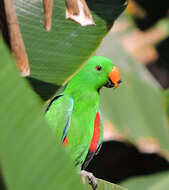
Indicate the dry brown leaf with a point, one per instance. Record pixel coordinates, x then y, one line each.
151 145
137 39
148 145
135 10
48 7
140 44
111 133
78 11
16 41
120 26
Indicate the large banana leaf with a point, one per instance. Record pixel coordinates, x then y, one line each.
135 109
158 181
56 55
29 155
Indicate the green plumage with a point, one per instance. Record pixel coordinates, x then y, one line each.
72 114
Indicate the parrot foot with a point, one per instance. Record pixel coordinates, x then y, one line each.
91 178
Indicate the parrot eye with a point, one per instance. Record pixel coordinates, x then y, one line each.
99 68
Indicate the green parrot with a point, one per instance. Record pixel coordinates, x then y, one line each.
75 116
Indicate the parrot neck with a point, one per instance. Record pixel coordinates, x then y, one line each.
76 90
83 83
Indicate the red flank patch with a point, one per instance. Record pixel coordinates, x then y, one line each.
65 142
96 133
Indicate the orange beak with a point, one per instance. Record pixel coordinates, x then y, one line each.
115 76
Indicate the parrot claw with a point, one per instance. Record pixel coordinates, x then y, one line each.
91 178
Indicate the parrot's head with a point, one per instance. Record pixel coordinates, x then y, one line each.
100 71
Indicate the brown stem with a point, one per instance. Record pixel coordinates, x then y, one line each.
47 6
16 41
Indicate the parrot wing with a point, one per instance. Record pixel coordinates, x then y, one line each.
58 113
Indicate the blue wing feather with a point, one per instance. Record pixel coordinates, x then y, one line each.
55 113
67 123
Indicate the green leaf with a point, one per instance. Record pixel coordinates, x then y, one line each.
56 55
29 155
148 182
136 107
